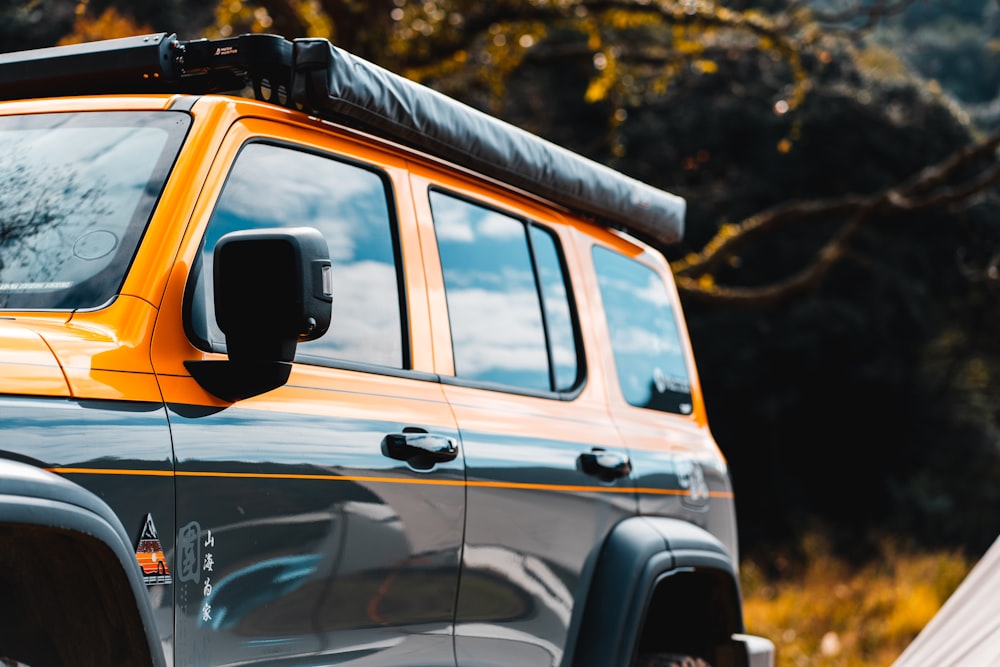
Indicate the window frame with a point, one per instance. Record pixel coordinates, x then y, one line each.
406 361
130 243
580 381
677 316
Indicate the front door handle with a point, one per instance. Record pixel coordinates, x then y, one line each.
604 465
419 448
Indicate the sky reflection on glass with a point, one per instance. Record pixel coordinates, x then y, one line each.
648 355
273 186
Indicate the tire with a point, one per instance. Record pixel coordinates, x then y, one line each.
670 660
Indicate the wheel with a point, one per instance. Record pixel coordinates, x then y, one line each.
670 660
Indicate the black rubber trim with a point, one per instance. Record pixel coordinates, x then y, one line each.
183 102
636 555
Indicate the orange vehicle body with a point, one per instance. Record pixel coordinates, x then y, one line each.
287 532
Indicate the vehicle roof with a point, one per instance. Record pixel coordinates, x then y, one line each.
320 78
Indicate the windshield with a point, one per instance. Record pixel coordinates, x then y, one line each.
76 193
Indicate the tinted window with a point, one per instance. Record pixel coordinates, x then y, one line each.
644 334
507 298
273 186
76 193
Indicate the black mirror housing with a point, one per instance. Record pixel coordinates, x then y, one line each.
273 289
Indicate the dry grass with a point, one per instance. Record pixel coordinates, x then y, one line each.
824 612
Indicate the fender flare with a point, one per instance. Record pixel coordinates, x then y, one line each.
638 553
33 498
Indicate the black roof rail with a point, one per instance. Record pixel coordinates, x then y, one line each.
158 63
315 76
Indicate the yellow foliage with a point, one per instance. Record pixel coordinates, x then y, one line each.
706 66
624 20
600 85
316 21
975 375
821 612
688 40
109 25
606 78
492 61
233 18
881 63
661 83
728 230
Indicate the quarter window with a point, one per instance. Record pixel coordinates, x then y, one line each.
508 302
649 358
76 193
275 186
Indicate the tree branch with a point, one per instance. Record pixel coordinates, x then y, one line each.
929 189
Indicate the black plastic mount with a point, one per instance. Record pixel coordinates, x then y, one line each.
157 63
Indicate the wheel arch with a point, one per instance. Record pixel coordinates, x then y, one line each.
75 594
644 567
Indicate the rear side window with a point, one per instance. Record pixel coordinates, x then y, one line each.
508 302
277 186
646 340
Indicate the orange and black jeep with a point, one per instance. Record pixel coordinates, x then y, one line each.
336 370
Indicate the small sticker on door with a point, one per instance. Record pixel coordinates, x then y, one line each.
150 555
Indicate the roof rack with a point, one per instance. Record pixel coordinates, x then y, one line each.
149 64
315 76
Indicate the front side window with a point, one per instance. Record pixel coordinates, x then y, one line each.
508 301
76 193
277 186
645 337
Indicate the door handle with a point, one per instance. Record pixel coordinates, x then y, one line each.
419 448
606 466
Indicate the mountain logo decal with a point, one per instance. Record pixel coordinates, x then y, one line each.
150 555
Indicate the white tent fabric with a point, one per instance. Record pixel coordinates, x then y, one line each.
966 630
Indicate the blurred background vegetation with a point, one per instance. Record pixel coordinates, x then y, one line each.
840 269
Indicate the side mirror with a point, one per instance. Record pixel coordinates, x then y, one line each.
273 289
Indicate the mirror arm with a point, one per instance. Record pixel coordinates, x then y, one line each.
236 380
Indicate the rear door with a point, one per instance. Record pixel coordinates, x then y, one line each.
654 394
306 533
547 475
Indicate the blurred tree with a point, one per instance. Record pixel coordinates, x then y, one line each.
360 26
110 24
816 165
28 25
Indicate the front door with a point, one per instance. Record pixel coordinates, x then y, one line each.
307 531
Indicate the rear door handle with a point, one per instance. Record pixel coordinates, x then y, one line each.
419 448
606 466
